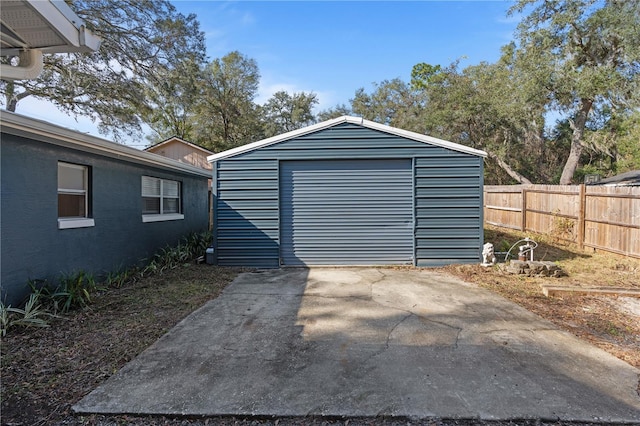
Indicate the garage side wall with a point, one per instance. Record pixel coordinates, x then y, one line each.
447 195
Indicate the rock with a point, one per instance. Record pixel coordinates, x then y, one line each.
535 268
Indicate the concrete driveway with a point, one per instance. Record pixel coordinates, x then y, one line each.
369 342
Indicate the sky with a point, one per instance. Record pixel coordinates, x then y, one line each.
332 48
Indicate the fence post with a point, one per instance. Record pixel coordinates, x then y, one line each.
581 216
523 220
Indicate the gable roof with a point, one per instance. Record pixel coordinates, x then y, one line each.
351 120
152 148
20 125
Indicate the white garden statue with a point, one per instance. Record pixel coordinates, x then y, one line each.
488 257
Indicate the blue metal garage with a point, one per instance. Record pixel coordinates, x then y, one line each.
348 192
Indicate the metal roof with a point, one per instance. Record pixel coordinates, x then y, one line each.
27 127
340 120
630 178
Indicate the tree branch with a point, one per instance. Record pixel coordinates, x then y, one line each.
511 172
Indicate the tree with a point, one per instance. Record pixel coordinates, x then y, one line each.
489 107
174 100
226 115
284 112
394 103
141 42
587 55
335 112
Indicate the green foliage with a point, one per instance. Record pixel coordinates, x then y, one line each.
393 102
174 97
335 112
142 42
75 290
191 247
627 153
32 315
587 58
72 292
226 115
423 75
580 59
284 112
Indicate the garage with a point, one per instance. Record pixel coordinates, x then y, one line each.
347 191
336 212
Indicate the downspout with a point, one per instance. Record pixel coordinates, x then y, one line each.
30 67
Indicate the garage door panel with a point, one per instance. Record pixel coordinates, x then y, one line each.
346 212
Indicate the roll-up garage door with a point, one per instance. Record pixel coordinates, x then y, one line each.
346 212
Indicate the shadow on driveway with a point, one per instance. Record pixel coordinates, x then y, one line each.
369 342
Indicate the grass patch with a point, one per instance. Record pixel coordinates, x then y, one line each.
46 370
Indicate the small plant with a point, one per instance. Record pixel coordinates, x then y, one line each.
31 316
73 291
562 227
120 277
190 248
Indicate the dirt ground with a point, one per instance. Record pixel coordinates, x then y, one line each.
45 371
609 322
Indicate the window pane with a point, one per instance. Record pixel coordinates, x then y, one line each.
71 205
170 205
71 177
150 186
150 205
170 188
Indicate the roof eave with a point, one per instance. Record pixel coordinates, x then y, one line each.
344 119
175 138
43 131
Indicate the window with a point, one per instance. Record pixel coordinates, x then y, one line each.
160 199
73 196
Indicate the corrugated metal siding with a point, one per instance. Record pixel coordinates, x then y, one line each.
346 212
447 195
448 210
247 230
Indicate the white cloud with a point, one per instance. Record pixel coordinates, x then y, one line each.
266 91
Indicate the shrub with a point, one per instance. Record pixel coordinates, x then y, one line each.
33 315
73 292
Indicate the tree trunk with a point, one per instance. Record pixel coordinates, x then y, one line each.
577 125
11 98
504 166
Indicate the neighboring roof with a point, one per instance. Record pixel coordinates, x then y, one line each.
20 125
152 148
351 120
631 178
33 27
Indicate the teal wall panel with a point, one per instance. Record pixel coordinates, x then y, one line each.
446 198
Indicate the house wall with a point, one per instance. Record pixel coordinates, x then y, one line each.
183 153
34 248
447 195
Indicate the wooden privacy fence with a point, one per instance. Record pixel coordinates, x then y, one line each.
602 217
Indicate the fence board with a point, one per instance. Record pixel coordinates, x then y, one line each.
601 217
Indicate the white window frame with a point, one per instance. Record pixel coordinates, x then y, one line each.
80 221
160 217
